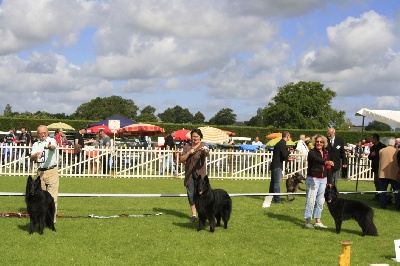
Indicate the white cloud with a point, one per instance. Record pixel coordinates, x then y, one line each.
28 24
228 53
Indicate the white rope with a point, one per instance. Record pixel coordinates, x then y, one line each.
185 195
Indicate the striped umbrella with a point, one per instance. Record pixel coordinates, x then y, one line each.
213 135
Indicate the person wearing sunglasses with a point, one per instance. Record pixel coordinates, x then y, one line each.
319 161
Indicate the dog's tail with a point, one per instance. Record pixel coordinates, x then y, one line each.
300 188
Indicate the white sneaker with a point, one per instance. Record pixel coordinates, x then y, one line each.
309 226
320 225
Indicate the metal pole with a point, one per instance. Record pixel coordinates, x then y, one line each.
362 133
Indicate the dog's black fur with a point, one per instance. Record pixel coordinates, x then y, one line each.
293 184
345 209
211 203
40 205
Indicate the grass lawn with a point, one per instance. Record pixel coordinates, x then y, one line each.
255 235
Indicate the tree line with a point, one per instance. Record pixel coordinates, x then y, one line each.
301 105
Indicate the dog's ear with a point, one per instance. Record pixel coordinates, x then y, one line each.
38 180
30 178
206 179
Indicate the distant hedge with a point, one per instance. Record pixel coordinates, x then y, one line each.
243 131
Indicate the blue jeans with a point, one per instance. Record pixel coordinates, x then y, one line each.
384 183
315 189
169 162
275 185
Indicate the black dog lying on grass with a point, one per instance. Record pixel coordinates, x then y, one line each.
211 203
344 209
40 205
293 183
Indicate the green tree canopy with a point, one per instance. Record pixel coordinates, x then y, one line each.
198 118
378 126
7 111
176 115
102 108
302 105
225 116
147 115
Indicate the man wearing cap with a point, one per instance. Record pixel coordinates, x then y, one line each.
79 144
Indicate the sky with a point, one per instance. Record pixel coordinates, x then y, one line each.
201 55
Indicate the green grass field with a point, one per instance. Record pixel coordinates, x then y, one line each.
256 235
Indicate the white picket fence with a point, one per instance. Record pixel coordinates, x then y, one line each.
125 162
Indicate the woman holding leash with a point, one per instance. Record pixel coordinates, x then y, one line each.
194 156
319 161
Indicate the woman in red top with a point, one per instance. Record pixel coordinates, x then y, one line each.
318 164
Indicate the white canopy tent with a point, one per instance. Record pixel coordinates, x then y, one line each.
389 117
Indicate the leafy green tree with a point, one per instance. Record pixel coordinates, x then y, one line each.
43 115
225 116
147 114
7 111
198 118
176 115
102 108
257 120
304 105
378 126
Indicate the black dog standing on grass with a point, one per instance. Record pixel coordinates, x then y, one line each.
344 209
211 203
40 205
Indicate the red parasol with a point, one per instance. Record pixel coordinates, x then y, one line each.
96 129
181 134
141 130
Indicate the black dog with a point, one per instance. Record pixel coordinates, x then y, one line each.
211 203
40 205
293 183
344 209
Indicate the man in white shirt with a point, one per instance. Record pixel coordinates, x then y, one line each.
302 150
257 141
44 153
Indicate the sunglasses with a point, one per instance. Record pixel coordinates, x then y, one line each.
319 141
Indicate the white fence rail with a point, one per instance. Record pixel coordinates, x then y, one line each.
150 163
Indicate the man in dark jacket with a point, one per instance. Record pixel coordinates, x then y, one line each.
374 157
337 152
280 154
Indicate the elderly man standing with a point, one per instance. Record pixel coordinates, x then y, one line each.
44 154
336 150
302 149
389 173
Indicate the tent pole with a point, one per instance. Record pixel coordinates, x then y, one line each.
362 133
362 128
